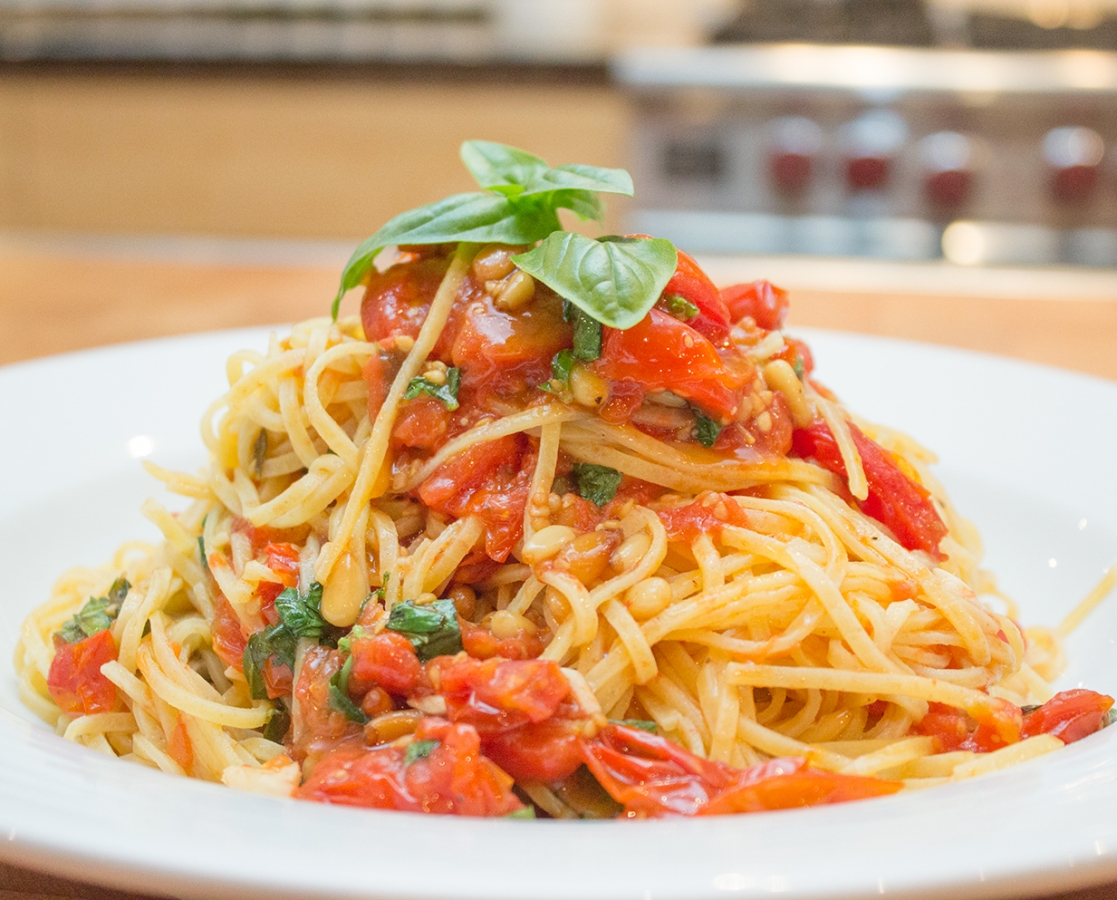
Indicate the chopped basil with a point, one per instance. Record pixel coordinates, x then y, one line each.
202 552
518 205
524 812
339 695
260 451
614 280
680 307
562 485
432 629
275 642
447 392
706 430
301 612
345 644
418 750
587 337
278 723
598 484
97 615
642 724
800 369
562 365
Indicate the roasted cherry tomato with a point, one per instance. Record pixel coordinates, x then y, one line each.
1069 715
387 659
894 499
765 303
694 286
496 695
228 636
396 300
75 680
448 776
423 423
545 751
704 516
651 776
953 729
661 353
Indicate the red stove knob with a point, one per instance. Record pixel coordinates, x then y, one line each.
870 143
1073 157
794 143
948 161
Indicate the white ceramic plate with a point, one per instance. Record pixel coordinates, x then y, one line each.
1029 454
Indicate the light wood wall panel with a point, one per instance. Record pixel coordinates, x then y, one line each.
281 155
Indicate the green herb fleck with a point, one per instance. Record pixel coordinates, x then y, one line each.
706 430
278 723
800 369
598 484
339 695
260 451
524 812
277 643
643 724
447 393
97 615
417 750
680 307
432 629
562 365
301 612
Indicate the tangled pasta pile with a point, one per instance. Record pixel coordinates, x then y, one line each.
494 548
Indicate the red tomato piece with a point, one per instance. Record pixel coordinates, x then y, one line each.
495 695
953 729
423 423
75 680
228 637
317 723
694 286
387 659
544 751
396 300
179 746
454 778
283 559
1069 715
763 301
491 481
480 643
651 776
894 499
662 353
704 516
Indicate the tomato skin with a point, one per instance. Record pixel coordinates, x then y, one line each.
491 481
544 751
894 499
1069 715
318 725
763 301
953 729
454 779
228 637
650 776
694 285
75 680
386 659
662 353
706 515
481 643
496 695
423 423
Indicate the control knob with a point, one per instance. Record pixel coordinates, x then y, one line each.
870 144
1073 156
948 160
794 144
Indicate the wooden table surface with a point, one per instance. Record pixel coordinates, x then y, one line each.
63 294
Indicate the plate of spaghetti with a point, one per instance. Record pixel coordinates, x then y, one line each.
551 527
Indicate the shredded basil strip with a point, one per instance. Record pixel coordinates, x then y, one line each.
643 724
706 430
800 369
278 723
432 629
275 642
680 307
202 552
260 451
598 484
301 612
345 645
339 695
562 364
518 205
96 615
587 336
417 750
447 393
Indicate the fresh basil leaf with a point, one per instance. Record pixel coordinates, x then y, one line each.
562 364
680 307
482 217
339 695
614 280
96 615
417 750
706 430
301 614
514 172
642 724
584 204
276 642
587 336
432 629
278 723
447 393
598 484
524 812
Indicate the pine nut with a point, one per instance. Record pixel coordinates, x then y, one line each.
629 553
515 293
587 387
392 725
493 262
345 591
648 598
505 624
545 543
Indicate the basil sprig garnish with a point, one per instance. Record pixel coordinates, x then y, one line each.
519 204
96 615
447 392
432 628
614 280
598 484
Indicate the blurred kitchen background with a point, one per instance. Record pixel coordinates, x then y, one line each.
979 131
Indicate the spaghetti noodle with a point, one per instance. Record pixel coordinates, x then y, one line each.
477 552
